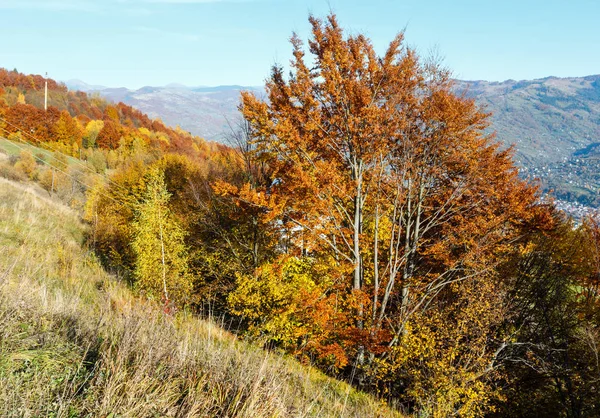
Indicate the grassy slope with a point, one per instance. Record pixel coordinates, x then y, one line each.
14 148
75 342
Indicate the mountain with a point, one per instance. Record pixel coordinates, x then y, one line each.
75 84
547 119
203 111
553 123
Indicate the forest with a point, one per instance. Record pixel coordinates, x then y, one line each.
362 221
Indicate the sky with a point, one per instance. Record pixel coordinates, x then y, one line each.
134 43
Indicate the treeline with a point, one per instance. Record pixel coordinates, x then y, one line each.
27 82
83 137
75 120
364 222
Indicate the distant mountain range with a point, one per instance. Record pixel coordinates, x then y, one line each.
203 111
554 123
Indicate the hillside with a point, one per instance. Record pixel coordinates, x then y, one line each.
203 111
74 341
554 123
75 120
367 247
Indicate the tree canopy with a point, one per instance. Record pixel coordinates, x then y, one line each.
388 176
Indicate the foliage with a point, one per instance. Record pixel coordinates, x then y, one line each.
550 359
110 211
363 221
92 129
287 307
75 341
27 164
22 103
382 167
161 266
67 130
109 135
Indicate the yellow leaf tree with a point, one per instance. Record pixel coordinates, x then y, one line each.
161 263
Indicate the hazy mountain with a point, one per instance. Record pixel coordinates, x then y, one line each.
548 119
554 123
83 86
203 111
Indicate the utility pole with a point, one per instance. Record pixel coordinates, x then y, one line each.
46 94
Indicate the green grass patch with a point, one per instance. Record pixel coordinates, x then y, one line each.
12 148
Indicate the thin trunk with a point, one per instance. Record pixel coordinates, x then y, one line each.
393 263
407 249
356 234
162 251
412 244
255 242
376 263
360 358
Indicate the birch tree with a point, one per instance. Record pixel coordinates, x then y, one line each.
161 264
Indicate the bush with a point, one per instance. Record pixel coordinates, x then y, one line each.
9 172
27 165
97 160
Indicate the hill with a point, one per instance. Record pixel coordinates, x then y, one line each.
397 251
75 120
74 341
554 123
203 111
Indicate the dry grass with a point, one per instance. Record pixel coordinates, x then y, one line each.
75 342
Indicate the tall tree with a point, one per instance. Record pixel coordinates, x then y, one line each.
161 265
109 135
67 131
379 163
92 129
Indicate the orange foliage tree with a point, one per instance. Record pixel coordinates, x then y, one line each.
381 166
67 130
109 135
36 124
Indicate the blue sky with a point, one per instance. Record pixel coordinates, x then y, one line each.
133 43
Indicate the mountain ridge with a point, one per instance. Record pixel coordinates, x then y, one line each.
553 122
205 111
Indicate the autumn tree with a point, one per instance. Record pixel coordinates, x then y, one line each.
36 124
378 163
67 131
112 206
161 266
109 135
